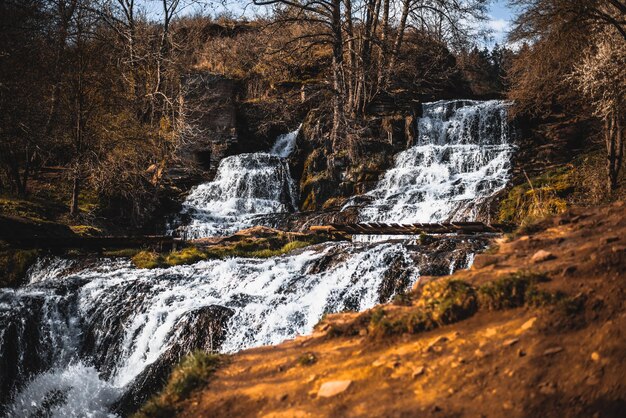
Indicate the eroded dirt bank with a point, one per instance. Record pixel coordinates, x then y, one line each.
538 328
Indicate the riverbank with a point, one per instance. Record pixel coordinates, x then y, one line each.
554 347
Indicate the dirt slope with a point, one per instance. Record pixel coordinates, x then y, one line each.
557 360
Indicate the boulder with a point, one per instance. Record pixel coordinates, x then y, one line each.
541 256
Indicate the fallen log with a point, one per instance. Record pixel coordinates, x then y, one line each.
377 228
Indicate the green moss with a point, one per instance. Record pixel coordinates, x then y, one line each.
23 209
253 248
402 299
441 302
123 252
195 371
14 263
86 230
446 301
148 260
543 196
512 291
187 255
307 359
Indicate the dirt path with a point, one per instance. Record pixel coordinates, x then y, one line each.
559 360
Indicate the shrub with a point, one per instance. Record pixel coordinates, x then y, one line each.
512 291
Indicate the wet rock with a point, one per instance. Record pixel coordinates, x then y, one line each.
333 388
202 329
541 256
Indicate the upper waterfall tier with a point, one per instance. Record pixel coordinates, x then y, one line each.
246 185
461 158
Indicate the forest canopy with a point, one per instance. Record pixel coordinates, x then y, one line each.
96 90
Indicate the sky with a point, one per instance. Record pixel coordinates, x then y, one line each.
500 21
500 15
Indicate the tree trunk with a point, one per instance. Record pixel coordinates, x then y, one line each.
351 59
615 149
75 193
399 37
337 72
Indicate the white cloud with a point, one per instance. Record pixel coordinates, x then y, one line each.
499 25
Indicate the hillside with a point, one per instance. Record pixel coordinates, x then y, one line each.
543 334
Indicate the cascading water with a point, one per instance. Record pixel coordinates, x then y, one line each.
245 186
82 338
460 160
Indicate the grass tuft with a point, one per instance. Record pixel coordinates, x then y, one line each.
194 372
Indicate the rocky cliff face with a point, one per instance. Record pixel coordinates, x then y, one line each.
329 177
221 122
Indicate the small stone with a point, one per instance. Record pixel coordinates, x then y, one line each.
490 332
528 324
552 350
595 356
434 345
541 256
363 332
521 353
282 398
418 371
507 405
510 342
548 388
333 388
480 353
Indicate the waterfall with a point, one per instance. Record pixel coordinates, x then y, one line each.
245 186
85 336
285 144
461 158
103 327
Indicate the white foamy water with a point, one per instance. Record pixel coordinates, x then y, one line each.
460 160
285 144
136 315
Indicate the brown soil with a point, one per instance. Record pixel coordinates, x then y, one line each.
553 361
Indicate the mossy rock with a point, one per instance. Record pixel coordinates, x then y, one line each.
250 247
14 263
